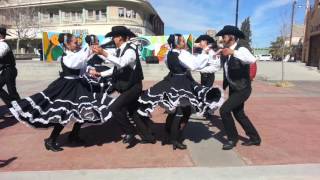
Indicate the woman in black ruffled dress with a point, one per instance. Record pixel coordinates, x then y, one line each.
67 99
178 93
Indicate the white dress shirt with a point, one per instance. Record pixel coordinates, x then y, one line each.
128 59
193 62
4 48
245 56
77 60
214 64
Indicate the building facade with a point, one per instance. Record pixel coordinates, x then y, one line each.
311 49
82 16
298 31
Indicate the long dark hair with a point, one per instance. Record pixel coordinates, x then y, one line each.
65 38
90 39
173 40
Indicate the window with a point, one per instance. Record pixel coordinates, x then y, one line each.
121 12
103 13
97 14
90 14
128 14
54 17
35 17
45 17
73 16
134 14
66 16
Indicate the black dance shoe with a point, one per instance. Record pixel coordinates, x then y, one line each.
178 145
165 141
229 145
8 115
52 146
252 142
75 139
128 139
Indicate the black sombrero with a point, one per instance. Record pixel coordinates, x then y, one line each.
231 30
207 38
119 31
131 34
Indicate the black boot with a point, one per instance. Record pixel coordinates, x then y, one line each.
178 145
252 142
128 138
229 145
166 140
52 145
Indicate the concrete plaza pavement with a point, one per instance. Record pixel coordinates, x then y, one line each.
288 120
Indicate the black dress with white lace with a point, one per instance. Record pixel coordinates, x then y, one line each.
178 88
66 99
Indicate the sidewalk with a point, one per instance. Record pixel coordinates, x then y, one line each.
283 172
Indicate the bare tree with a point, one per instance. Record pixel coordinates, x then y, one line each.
23 22
284 31
285 36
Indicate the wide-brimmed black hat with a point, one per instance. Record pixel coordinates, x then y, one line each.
231 30
131 34
119 31
207 38
3 31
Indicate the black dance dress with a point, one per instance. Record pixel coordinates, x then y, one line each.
179 89
66 99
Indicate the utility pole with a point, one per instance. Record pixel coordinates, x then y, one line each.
292 18
237 13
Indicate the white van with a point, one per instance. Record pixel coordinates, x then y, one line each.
265 57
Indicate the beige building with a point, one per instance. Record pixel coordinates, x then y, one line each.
297 35
311 49
82 16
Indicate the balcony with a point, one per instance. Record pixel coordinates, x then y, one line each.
126 21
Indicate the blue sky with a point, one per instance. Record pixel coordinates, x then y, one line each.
197 16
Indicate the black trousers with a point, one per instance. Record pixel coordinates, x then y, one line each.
8 77
176 122
127 101
143 126
207 79
235 105
58 128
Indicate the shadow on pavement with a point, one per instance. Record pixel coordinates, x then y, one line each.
4 163
196 131
6 121
95 135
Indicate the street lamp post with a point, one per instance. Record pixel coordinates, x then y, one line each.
292 18
237 12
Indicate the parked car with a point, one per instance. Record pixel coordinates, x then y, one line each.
265 57
277 58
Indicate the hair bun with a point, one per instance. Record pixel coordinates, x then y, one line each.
90 38
61 37
171 40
